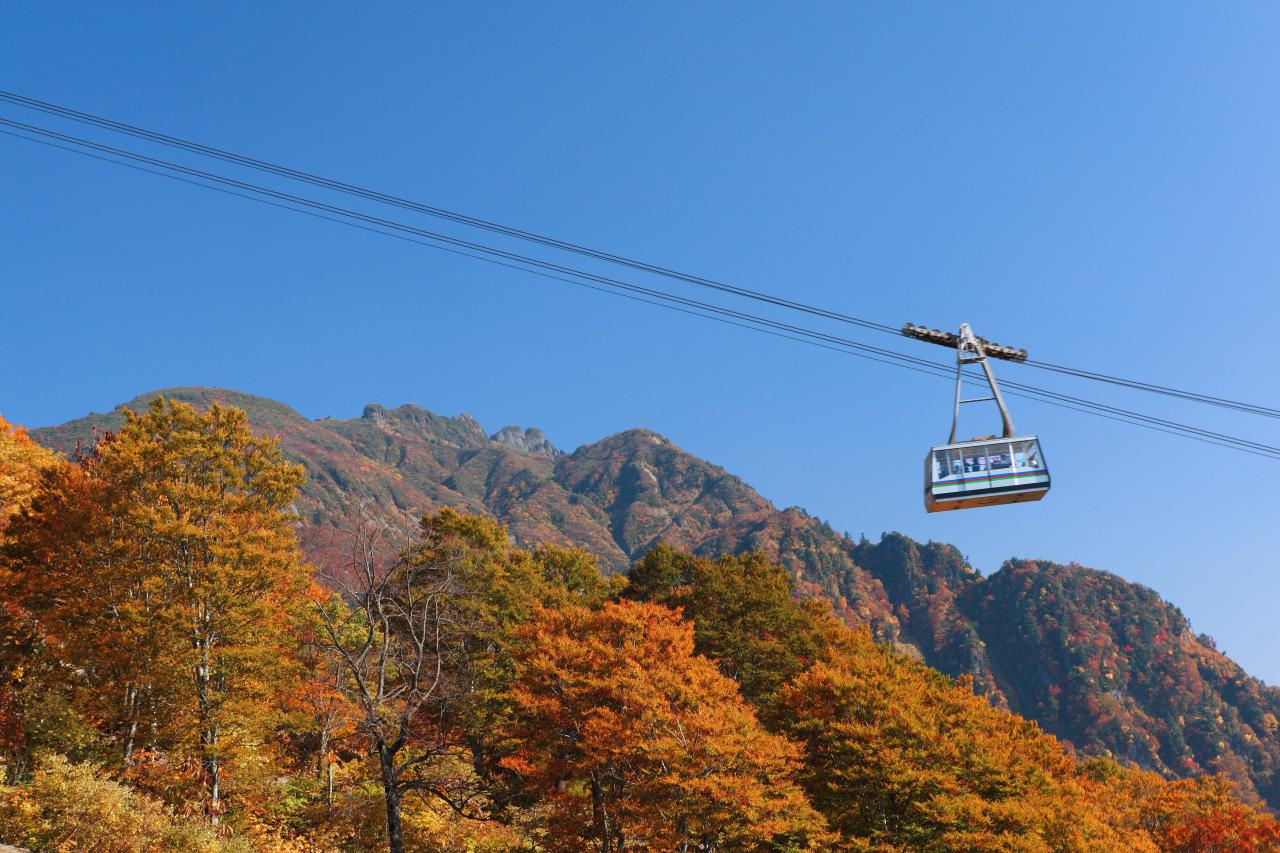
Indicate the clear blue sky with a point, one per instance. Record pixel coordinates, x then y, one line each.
1097 183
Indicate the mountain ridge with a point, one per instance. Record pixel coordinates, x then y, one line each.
1103 663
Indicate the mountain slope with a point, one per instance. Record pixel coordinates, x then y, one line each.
1103 663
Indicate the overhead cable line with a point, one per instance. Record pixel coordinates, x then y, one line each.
1158 389
567 246
558 272
431 210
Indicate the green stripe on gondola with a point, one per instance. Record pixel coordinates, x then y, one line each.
964 484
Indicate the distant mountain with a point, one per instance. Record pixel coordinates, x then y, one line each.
615 498
1102 663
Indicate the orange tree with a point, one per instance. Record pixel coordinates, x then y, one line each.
24 465
636 742
163 572
1201 815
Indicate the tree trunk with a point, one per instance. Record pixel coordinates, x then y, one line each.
323 751
600 815
324 767
131 722
395 842
153 723
205 687
212 769
131 731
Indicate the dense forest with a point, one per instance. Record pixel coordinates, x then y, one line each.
1103 664
175 674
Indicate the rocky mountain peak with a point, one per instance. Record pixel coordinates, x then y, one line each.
376 413
532 441
410 419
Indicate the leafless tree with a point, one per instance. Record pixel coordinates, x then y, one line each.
393 636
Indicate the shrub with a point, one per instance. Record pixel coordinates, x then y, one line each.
71 807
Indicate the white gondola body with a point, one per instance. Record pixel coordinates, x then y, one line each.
984 472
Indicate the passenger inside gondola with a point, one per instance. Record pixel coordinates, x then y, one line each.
947 464
1026 456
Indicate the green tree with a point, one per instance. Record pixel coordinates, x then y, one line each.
746 615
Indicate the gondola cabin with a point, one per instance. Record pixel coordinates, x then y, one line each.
984 472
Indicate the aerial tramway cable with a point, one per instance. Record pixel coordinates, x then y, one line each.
563 245
1157 389
614 286
430 210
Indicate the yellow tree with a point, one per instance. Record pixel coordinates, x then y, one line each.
24 465
636 742
898 757
169 563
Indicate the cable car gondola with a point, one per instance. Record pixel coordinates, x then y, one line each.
987 470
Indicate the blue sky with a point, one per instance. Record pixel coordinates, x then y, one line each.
1097 183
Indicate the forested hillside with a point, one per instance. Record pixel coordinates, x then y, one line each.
1104 664
174 675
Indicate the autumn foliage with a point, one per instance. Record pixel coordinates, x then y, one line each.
177 677
635 742
1104 664
22 464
